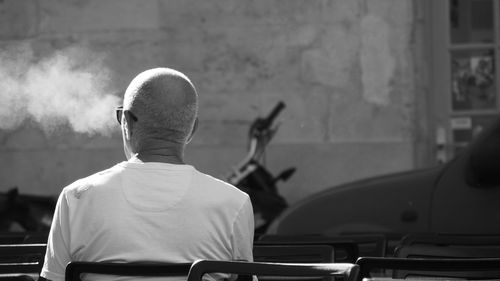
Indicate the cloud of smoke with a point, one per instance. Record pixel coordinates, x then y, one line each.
71 86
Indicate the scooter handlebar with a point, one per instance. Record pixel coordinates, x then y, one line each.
266 122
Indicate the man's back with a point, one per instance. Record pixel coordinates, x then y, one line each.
150 211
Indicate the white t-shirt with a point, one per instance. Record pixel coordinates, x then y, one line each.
150 211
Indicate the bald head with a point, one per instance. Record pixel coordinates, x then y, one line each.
165 103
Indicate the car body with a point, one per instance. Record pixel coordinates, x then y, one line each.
460 196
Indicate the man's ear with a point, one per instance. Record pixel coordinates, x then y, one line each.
127 125
195 127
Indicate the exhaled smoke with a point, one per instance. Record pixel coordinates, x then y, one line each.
71 86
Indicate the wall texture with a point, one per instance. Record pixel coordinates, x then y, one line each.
344 68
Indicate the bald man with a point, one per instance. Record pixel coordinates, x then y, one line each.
153 207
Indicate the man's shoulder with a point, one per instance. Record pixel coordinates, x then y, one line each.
84 185
218 186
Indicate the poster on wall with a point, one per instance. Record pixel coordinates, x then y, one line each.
472 82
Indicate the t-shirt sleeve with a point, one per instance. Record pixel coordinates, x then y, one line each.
57 255
243 231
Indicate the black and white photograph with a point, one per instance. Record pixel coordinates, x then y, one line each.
247 140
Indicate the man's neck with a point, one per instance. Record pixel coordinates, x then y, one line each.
171 159
171 155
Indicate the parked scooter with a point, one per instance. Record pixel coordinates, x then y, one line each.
252 177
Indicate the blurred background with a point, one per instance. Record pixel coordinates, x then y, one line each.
371 86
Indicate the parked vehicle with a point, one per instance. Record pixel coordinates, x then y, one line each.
251 176
460 196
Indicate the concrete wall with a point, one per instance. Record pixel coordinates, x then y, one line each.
344 68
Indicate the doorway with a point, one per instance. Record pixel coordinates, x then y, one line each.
465 44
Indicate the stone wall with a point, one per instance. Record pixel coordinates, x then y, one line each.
344 68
